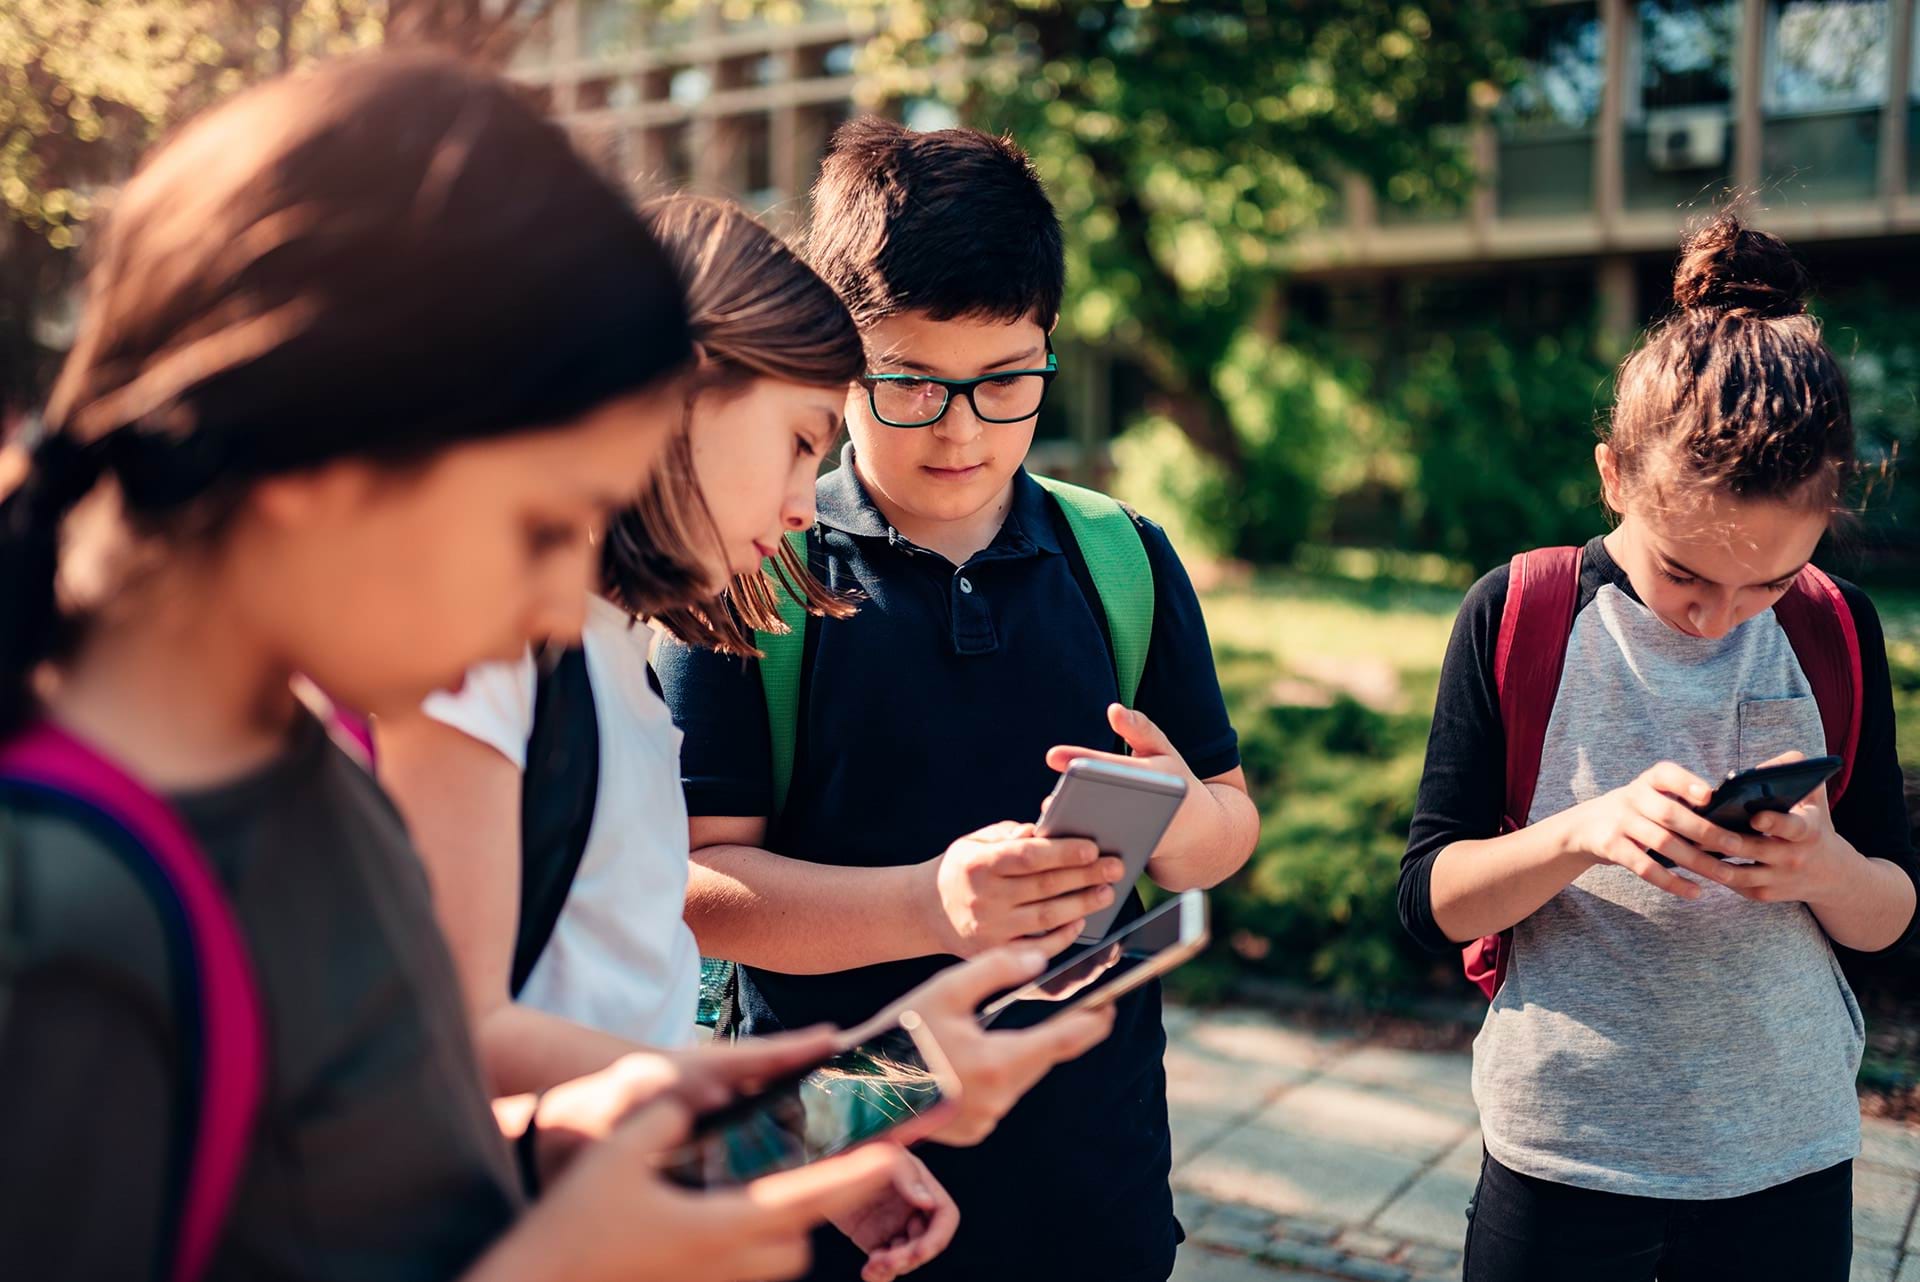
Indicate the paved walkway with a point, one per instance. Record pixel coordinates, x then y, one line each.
1300 1154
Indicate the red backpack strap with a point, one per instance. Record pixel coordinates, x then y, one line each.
1819 625
1543 587
231 1035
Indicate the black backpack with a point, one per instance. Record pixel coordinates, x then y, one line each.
558 790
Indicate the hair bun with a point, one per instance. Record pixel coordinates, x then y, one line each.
1728 266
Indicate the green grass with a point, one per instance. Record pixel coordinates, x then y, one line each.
1330 681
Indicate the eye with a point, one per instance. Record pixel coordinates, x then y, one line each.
545 537
1671 577
1005 381
804 446
910 386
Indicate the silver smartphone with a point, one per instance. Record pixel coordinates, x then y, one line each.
1124 810
1143 949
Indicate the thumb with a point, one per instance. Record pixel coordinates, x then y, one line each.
657 1127
960 989
1137 728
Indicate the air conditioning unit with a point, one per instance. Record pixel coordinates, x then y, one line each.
1680 140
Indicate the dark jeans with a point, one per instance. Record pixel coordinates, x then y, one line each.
1522 1229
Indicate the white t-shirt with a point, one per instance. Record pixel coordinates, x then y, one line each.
622 958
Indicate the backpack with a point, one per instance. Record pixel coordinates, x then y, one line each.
558 791
1542 590
222 1037
1122 579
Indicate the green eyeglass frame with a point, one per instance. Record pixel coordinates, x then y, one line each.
963 387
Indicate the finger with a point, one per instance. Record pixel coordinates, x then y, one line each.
754 1059
1058 1040
1029 855
1784 759
1039 886
1651 836
1678 781
1056 941
657 1127
801 1198
910 1178
1630 854
1791 826
1059 758
1051 914
960 989
1005 830
1696 828
937 1234
1137 728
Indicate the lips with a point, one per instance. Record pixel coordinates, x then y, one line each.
954 473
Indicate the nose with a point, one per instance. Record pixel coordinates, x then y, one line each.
1712 617
959 424
559 606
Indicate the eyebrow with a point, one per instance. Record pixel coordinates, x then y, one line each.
1684 572
1016 359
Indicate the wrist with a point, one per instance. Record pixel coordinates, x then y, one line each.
1851 876
924 907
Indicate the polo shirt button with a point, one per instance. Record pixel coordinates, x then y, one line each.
965 584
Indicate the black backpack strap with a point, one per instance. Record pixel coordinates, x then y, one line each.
558 790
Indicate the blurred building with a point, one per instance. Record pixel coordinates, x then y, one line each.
1632 117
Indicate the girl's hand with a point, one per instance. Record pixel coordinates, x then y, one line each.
1654 814
907 1225
1799 858
574 1114
613 1216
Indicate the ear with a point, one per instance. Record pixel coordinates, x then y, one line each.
301 498
1610 489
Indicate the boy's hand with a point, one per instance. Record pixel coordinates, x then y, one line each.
1152 750
1003 883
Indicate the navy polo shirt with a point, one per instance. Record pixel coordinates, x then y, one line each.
925 716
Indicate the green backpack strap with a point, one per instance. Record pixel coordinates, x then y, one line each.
780 656
1122 577
781 653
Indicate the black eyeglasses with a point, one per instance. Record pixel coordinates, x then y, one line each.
920 400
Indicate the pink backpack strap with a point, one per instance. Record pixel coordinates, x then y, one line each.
231 1033
1819 625
1543 587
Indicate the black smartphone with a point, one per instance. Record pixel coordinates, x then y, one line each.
1778 788
888 1080
1745 793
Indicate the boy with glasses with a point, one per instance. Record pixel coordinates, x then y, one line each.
981 646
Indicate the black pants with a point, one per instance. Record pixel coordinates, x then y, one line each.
1522 1229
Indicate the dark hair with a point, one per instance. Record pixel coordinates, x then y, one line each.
380 259
1735 392
756 311
952 223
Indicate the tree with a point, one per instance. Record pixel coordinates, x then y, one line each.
1185 141
87 85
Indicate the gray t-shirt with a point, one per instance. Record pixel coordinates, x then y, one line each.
1644 1044
376 1155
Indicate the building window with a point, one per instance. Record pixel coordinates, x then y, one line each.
1565 69
1546 121
1826 55
1678 144
1826 78
690 85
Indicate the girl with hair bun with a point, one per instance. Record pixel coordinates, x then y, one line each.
1666 1075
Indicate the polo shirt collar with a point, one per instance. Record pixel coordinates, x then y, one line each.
843 504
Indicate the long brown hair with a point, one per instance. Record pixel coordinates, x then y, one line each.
756 311
382 259
1736 392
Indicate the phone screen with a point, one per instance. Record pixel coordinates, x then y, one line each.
1101 965
857 1095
